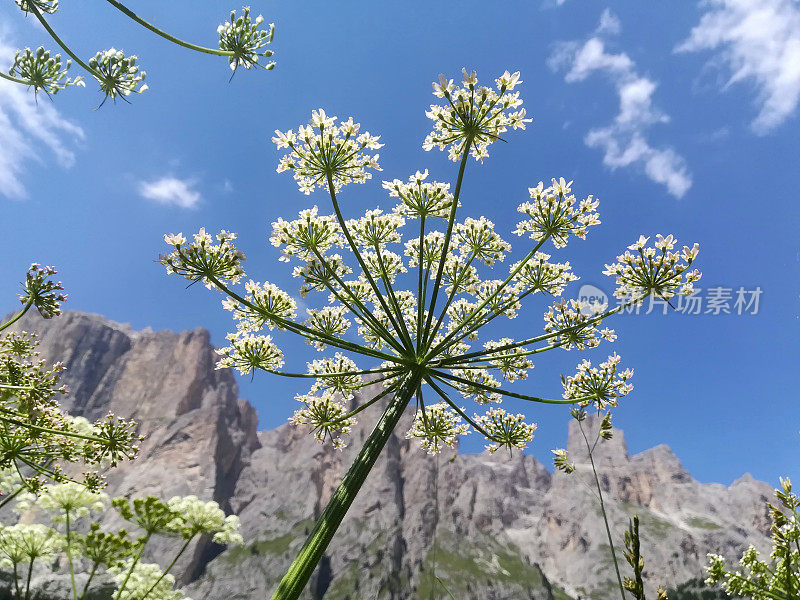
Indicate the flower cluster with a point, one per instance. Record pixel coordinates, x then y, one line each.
338 374
45 6
308 236
243 41
437 426
118 75
247 43
69 501
574 324
196 517
476 384
561 461
420 198
326 414
513 363
418 301
42 292
539 275
42 71
249 352
202 260
655 270
600 385
36 433
477 239
759 579
137 579
474 116
265 304
553 214
89 548
324 153
26 543
376 229
505 430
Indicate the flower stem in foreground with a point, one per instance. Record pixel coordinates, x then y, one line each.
296 578
590 449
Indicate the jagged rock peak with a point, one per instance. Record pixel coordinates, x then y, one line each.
493 527
613 451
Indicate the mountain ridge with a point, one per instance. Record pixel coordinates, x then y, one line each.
490 526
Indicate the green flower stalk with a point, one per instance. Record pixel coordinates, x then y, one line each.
243 41
409 315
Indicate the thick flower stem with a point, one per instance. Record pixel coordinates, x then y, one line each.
296 578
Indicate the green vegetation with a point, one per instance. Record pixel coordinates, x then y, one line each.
700 523
696 589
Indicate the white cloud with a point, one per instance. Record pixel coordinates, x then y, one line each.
624 141
609 23
759 41
31 132
171 191
592 57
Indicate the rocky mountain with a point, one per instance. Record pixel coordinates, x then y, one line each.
491 527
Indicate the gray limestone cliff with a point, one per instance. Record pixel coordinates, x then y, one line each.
492 527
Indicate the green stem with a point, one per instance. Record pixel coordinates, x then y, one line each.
69 558
367 404
324 375
15 80
16 582
487 318
49 430
364 269
306 332
450 297
456 408
169 568
420 292
363 310
296 578
393 299
58 41
28 304
494 294
603 510
89 580
8 499
450 222
122 8
133 566
30 575
546 336
443 377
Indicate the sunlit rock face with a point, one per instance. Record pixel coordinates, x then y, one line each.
491 527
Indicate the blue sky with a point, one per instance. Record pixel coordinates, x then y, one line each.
680 118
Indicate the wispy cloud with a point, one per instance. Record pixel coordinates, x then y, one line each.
32 132
609 23
171 191
759 41
624 141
